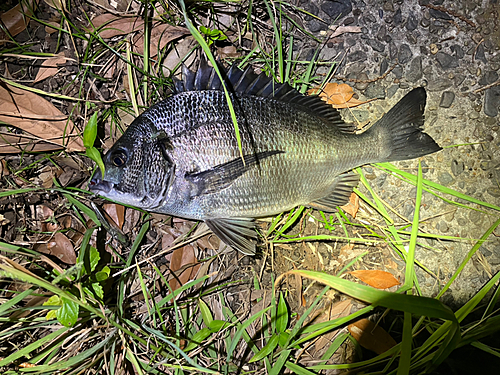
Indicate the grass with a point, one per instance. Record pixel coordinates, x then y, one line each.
93 316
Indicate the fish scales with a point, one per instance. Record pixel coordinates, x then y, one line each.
314 152
181 156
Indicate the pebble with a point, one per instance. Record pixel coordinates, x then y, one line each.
411 23
398 17
375 90
458 51
489 77
357 56
433 48
494 191
492 101
439 14
438 84
446 61
392 90
480 54
415 71
447 99
445 178
376 45
337 9
404 54
457 167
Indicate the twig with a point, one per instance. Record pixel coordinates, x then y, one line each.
450 12
487 87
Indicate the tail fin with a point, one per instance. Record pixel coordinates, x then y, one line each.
402 128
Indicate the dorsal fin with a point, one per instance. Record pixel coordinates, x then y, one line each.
247 83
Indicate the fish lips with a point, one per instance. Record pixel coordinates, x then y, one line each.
97 185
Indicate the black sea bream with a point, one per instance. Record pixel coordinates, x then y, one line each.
181 157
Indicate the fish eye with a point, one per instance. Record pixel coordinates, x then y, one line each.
119 158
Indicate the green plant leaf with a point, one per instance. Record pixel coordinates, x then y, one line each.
94 154
267 349
198 338
67 315
94 259
90 132
205 312
101 276
282 315
217 325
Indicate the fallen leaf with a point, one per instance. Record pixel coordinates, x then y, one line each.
30 112
345 29
161 35
61 247
44 213
352 206
56 4
16 19
116 212
371 336
110 25
338 95
376 278
228 51
49 67
182 258
337 310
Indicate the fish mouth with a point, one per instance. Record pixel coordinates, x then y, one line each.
100 186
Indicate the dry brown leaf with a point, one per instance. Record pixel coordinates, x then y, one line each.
49 67
182 258
371 336
61 247
376 278
44 213
337 310
345 29
352 206
35 115
161 35
56 4
113 25
16 18
116 212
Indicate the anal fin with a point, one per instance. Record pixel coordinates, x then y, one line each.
235 232
341 191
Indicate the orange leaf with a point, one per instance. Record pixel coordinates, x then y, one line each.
49 67
376 278
371 336
35 115
338 95
352 206
113 25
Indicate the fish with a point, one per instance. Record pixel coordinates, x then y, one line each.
181 156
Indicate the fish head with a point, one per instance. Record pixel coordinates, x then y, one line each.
138 169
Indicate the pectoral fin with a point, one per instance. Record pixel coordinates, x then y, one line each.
235 232
223 175
341 191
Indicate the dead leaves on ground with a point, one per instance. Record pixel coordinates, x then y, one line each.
338 95
16 19
371 336
109 26
376 278
49 129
